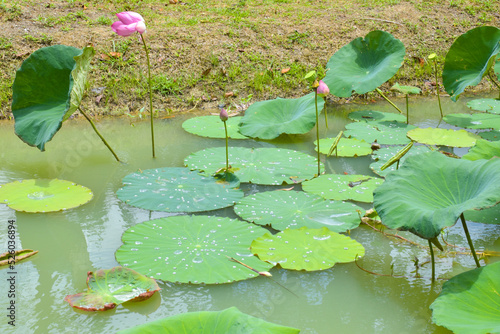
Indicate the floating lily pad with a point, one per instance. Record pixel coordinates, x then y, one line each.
307 249
343 187
490 135
488 105
406 89
385 153
111 287
284 209
444 137
483 150
469 59
271 166
44 195
474 121
364 64
347 147
373 115
430 191
176 189
227 321
489 215
470 302
47 90
213 127
9 259
269 119
192 249
385 133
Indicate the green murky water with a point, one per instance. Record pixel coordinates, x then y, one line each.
343 299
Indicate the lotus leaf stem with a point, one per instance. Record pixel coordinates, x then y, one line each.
469 240
407 111
317 128
98 133
437 87
432 261
496 83
326 116
227 148
150 96
387 99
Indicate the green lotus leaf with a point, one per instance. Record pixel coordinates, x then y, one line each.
385 133
488 105
192 249
474 121
307 249
271 166
292 209
364 64
490 135
430 191
227 321
444 137
47 89
108 288
347 147
176 189
373 115
343 187
213 127
44 195
483 150
469 59
489 215
269 119
470 302
406 89
385 153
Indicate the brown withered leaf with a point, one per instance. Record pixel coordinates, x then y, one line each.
228 94
285 70
7 258
206 72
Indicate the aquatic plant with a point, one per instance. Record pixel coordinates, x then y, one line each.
128 24
407 90
433 57
210 126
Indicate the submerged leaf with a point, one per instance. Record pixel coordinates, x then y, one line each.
108 288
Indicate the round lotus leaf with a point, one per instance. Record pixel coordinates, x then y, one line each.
347 147
385 153
486 216
292 209
227 321
213 127
474 121
483 150
176 189
385 133
364 64
192 249
490 135
110 287
307 249
273 166
430 191
269 119
470 302
44 195
47 89
444 137
373 115
406 89
343 187
488 105
469 59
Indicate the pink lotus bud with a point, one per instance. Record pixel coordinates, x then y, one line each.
129 23
322 89
223 115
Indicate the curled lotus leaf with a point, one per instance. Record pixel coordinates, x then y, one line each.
307 249
7 258
430 191
470 302
44 195
227 321
293 209
108 288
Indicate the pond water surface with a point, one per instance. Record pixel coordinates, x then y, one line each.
343 299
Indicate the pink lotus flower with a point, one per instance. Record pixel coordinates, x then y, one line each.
223 115
129 23
322 89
